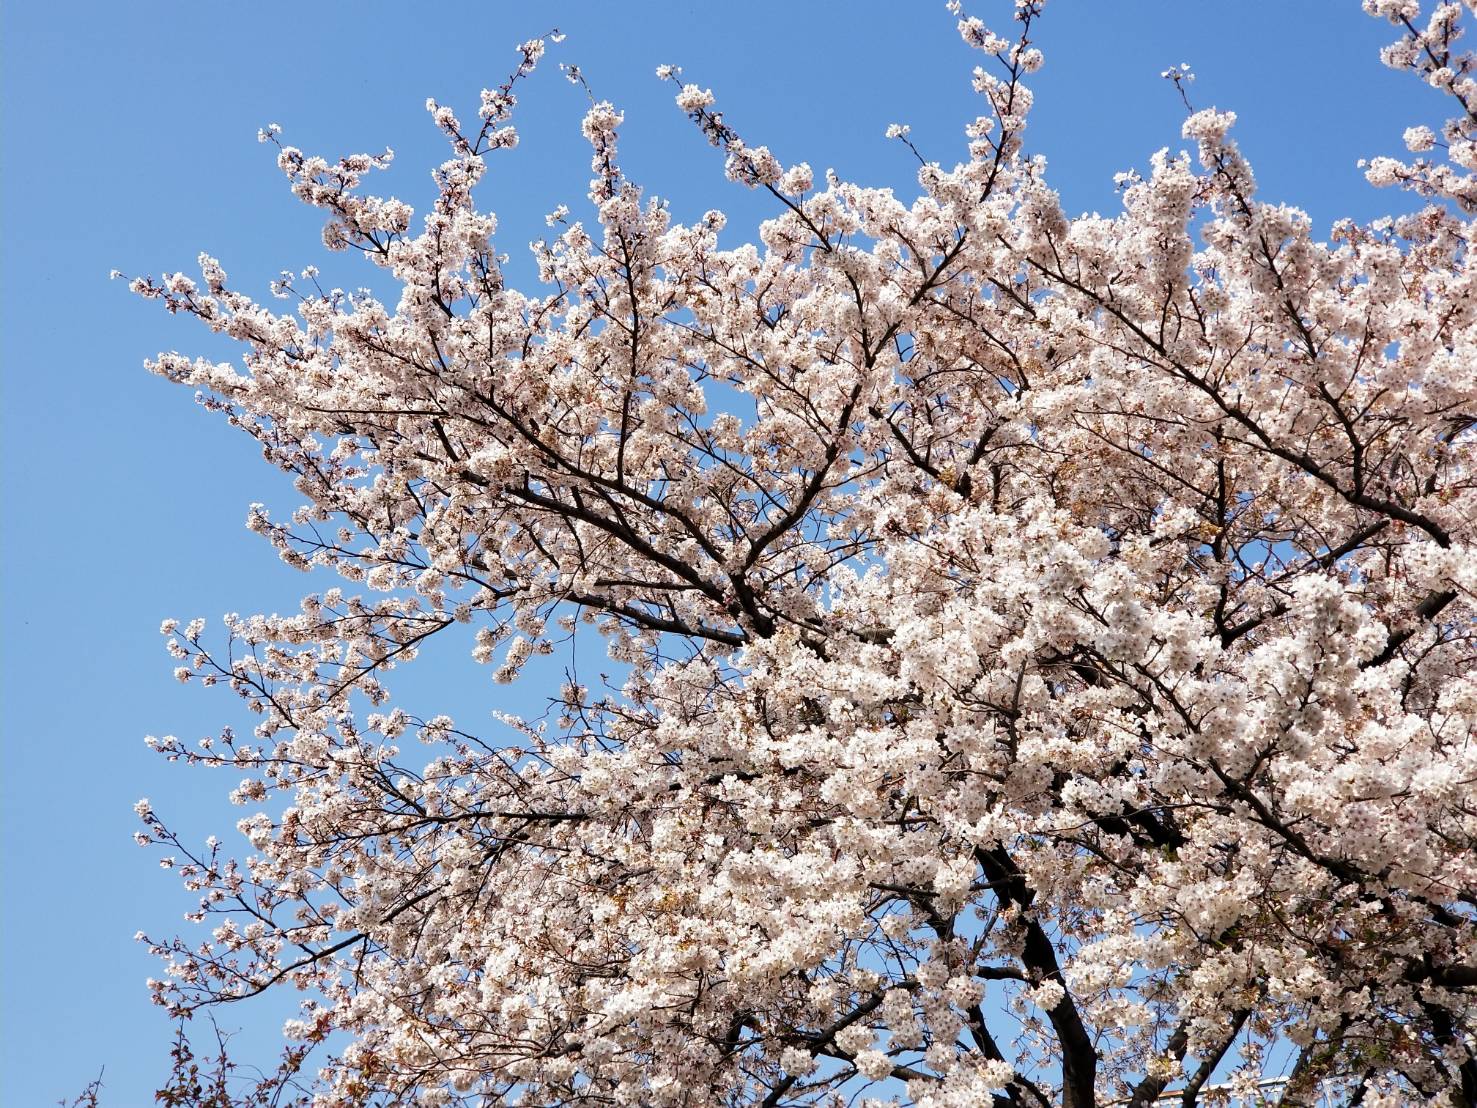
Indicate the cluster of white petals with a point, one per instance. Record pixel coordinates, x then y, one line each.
1048 648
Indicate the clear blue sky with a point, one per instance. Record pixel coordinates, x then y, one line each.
129 141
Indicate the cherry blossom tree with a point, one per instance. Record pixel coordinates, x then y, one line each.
1048 672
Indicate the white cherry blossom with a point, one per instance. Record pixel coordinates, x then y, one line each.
1048 643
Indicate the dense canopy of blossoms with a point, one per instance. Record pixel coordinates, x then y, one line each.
1048 666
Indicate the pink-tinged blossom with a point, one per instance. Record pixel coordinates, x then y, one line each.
694 99
1047 670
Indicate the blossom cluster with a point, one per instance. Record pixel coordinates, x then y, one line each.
1047 642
